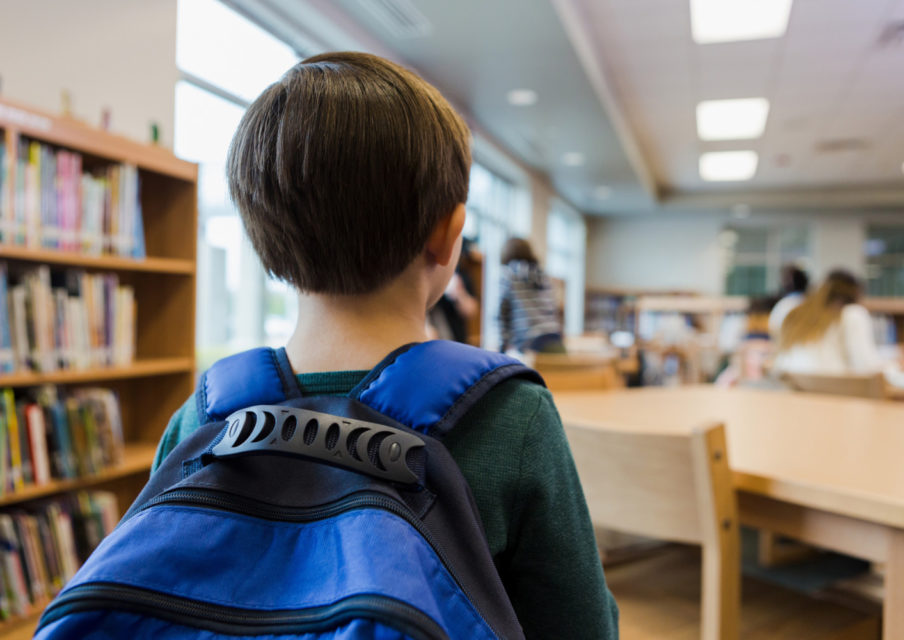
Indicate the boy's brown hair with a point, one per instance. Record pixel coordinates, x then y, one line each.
342 168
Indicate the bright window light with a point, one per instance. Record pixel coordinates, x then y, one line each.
720 166
732 20
732 119
218 45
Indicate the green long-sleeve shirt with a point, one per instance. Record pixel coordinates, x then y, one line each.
512 450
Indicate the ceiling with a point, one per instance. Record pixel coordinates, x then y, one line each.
836 95
618 81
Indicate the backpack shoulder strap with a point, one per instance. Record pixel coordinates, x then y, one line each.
257 376
429 386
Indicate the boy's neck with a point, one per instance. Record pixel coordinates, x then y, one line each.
343 333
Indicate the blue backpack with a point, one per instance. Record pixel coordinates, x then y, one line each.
317 517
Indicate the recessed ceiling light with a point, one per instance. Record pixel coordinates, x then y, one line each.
738 119
602 192
573 159
522 97
740 211
732 20
718 166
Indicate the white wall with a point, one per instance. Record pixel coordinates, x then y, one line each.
119 54
678 250
669 251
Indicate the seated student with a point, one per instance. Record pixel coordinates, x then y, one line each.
795 282
829 333
528 315
351 174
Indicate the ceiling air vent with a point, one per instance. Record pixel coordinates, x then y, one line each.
840 145
400 17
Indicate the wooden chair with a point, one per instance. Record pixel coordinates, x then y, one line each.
861 386
577 371
674 487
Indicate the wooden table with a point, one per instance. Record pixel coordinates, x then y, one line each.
826 470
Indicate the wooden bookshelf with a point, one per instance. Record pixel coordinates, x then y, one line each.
23 627
138 369
100 263
161 377
886 306
137 458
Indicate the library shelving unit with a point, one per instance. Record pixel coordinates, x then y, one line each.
161 376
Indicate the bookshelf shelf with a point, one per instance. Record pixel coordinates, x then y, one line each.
106 263
136 459
76 135
138 369
23 627
889 306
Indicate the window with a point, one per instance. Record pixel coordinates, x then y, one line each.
566 241
755 256
497 209
221 48
226 61
885 260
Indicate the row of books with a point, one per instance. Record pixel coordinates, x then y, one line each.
49 199
42 547
47 435
64 319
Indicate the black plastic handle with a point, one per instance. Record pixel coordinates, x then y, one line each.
367 447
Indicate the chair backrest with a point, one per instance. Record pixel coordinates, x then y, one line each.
668 486
577 371
674 487
861 386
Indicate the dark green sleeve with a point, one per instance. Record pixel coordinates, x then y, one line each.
554 575
183 423
512 450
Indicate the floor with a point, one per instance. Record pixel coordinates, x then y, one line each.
659 598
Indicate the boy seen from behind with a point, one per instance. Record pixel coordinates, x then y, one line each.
351 175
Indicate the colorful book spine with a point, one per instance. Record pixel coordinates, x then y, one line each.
7 355
53 320
16 481
51 201
42 545
45 436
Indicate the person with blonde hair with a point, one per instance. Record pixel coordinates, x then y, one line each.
829 333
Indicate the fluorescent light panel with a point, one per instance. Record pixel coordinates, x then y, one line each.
723 166
573 159
740 119
732 20
522 97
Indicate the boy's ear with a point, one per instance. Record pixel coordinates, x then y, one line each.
442 240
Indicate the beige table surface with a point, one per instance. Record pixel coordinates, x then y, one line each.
826 469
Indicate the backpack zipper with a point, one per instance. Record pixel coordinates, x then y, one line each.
246 506
236 621
237 504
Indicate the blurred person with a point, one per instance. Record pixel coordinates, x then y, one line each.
528 314
795 283
458 304
829 333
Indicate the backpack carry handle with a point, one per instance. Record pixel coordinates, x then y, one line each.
373 449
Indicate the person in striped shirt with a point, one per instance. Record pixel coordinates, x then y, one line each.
528 314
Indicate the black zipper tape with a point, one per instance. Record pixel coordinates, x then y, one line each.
238 621
83 597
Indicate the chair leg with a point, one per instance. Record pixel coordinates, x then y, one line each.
721 592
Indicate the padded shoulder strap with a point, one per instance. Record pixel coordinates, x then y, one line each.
258 376
430 385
